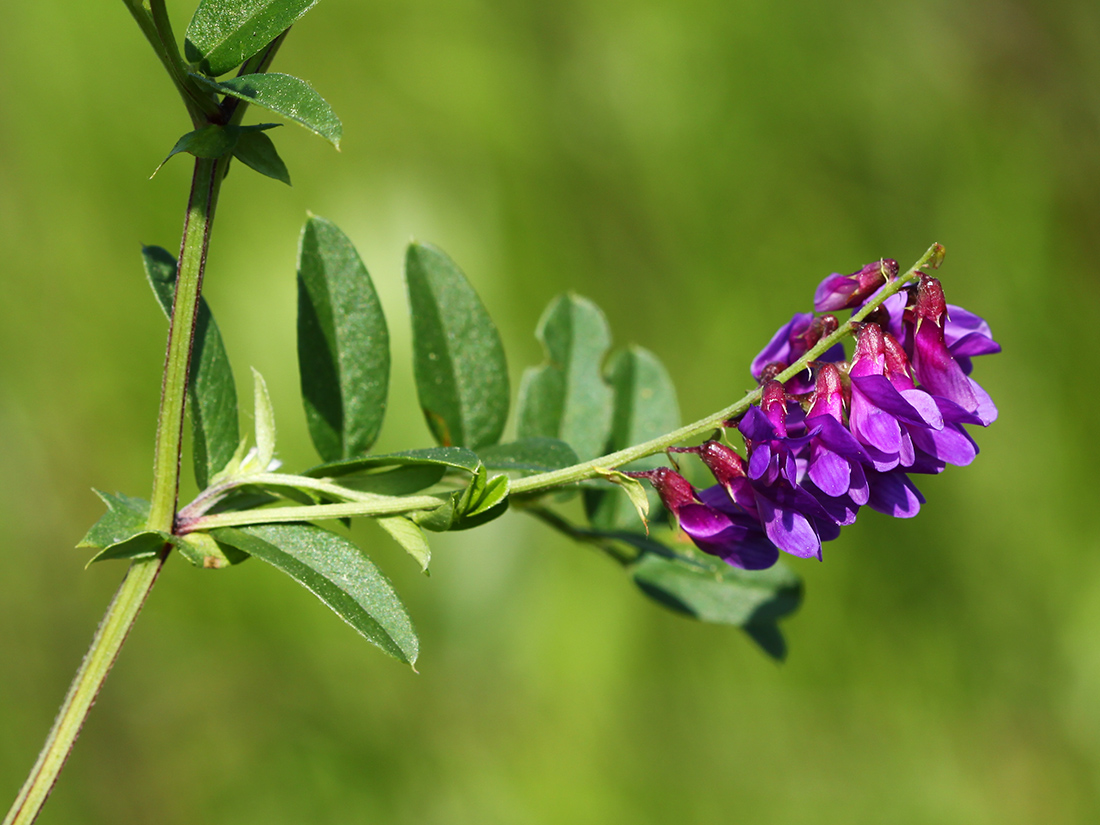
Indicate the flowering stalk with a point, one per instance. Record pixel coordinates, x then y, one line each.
590 469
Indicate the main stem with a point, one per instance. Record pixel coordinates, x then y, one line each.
124 608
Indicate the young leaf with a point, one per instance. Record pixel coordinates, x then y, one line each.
458 358
567 397
265 423
288 96
457 458
408 535
537 455
343 344
338 573
211 141
223 34
211 391
645 407
255 150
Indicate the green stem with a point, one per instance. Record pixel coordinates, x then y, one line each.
589 469
93 671
157 28
376 506
205 185
123 610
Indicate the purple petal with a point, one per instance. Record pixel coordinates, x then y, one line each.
895 495
951 445
779 347
831 473
789 530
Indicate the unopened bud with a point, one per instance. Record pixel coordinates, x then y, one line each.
846 291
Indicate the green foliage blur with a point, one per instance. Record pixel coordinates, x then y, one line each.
695 168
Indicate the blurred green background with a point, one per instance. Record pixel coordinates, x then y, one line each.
695 167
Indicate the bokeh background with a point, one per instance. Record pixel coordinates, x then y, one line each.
693 166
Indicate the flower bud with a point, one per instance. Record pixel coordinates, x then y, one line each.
675 490
828 394
847 291
931 305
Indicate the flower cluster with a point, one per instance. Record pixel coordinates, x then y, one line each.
843 433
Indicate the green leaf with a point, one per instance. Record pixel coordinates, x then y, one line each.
211 141
288 96
211 391
120 532
645 407
338 573
396 481
223 34
265 423
537 455
458 358
458 458
567 397
125 518
203 551
143 545
406 533
714 592
343 344
255 150
484 498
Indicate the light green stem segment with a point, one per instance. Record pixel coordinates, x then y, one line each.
192 261
89 679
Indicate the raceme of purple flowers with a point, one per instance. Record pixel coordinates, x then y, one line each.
844 433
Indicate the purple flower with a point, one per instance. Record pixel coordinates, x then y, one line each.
790 342
836 457
715 524
847 291
881 416
792 518
936 368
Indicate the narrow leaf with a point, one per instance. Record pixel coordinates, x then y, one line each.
537 455
645 407
343 344
458 358
288 96
223 34
255 150
265 423
458 458
338 573
211 391
410 536
125 517
211 141
567 397
143 545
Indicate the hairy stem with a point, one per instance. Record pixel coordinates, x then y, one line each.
123 610
192 262
112 632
